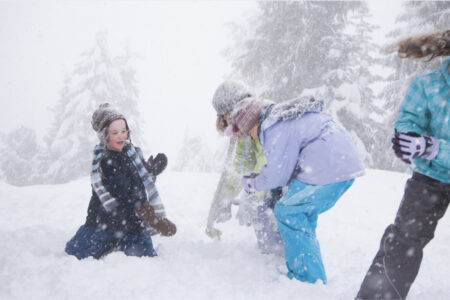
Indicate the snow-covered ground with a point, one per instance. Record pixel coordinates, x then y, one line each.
37 221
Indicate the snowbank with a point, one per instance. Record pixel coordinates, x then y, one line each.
37 221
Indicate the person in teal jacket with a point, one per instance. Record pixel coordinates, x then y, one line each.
244 155
422 138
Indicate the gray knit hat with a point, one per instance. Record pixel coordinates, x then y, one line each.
228 94
245 114
104 115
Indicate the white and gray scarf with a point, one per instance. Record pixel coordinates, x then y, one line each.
286 110
108 201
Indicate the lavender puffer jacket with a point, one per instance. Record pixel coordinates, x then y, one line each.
321 149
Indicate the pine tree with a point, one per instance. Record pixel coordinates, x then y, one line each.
319 48
96 79
417 17
17 156
196 156
292 46
353 103
2 153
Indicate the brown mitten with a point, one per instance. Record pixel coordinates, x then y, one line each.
147 214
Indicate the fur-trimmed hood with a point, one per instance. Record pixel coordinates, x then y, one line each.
432 44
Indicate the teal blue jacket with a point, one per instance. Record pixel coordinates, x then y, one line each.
426 110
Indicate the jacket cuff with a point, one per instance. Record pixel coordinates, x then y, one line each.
248 184
432 149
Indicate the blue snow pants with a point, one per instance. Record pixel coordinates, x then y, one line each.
95 242
296 215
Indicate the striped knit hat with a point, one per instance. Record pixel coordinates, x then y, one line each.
228 94
102 117
245 114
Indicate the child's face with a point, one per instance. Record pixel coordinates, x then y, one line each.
117 135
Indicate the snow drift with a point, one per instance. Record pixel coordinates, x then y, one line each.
37 221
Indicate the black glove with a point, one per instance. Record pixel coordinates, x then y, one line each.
273 196
156 165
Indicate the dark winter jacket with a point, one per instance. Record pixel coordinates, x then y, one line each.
121 178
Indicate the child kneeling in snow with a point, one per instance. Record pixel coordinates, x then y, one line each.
312 155
125 209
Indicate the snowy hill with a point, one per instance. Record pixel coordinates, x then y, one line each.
37 221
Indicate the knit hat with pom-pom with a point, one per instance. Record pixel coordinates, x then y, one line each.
104 115
102 118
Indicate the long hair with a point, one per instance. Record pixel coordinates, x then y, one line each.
432 44
221 124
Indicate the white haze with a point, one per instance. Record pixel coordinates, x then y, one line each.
179 44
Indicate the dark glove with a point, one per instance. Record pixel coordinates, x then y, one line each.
248 182
146 213
156 165
411 145
273 196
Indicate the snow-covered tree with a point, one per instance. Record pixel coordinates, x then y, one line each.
96 79
315 48
354 103
291 46
196 156
2 149
18 156
417 17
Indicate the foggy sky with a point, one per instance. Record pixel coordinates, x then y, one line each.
180 44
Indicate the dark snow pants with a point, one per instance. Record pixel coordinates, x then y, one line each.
95 242
397 262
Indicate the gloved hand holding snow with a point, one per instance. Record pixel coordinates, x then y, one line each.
411 145
248 182
248 208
